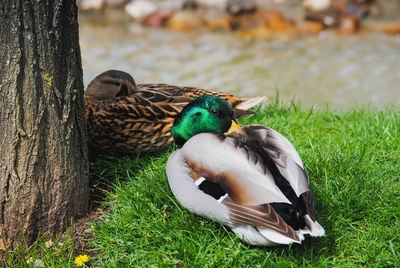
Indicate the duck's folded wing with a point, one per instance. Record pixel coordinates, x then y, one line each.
219 161
240 172
261 216
282 152
137 107
248 189
163 93
186 94
286 159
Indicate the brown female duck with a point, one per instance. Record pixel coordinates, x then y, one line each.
123 117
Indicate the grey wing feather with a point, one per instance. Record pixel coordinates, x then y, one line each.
283 154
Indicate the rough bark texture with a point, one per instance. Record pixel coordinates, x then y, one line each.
43 146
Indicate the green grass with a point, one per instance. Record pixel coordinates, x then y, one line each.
353 161
46 251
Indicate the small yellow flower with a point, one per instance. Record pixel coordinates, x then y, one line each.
81 259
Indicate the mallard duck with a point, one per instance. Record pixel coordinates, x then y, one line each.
123 117
248 178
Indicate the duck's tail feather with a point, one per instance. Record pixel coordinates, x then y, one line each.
313 228
248 103
278 238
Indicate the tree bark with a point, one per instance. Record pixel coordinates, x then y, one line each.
43 143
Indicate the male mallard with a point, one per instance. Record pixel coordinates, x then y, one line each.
250 178
124 117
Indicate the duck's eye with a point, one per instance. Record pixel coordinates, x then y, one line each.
214 112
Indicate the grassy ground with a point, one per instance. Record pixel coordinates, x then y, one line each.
353 161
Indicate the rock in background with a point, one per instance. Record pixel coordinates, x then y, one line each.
254 19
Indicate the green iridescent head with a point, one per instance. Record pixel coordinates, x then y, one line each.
206 113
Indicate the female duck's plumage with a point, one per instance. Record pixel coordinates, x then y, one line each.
251 180
124 117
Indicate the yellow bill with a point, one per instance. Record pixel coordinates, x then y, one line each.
234 128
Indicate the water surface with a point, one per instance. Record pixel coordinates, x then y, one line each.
329 68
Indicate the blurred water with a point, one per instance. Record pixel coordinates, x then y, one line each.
330 68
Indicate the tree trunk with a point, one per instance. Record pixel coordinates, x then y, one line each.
43 144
